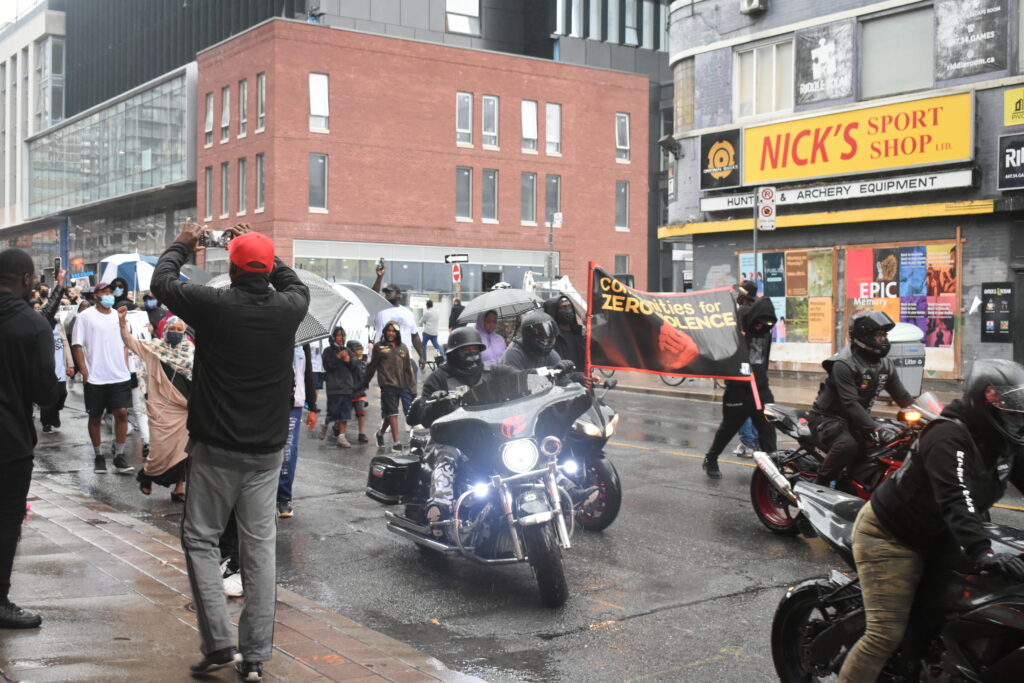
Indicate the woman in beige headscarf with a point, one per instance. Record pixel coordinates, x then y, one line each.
168 364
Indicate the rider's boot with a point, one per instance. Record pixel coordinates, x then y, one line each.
710 467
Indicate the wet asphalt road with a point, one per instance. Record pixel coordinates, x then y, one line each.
681 587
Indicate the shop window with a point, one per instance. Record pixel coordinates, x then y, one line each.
208 124
622 137
318 182
489 200
243 108
529 113
622 205
462 16
490 123
765 79
552 198
464 118
553 128
897 53
528 199
319 108
463 193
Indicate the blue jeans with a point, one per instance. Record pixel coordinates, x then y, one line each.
748 435
291 456
431 339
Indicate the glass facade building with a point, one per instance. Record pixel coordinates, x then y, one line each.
142 140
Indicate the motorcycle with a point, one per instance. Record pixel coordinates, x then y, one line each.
584 462
780 514
506 436
964 626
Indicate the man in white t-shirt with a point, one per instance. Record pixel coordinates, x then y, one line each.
102 358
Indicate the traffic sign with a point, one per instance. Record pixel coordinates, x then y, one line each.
456 273
766 208
766 195
456 258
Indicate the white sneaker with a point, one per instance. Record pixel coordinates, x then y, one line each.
233 585
740 450
343 442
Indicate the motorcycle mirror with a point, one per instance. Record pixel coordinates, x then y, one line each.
610 383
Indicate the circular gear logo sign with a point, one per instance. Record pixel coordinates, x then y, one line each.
719 160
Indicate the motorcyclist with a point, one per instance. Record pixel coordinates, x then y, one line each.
943 492
756 317
534 346
841 415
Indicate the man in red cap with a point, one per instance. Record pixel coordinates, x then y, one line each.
238 424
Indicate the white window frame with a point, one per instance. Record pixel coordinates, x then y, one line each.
489 138
243 108
464 129
225 194
631 22
261 102
553 133
225 113
531 219
622 145
309 182
469 194
775 94
208 125
558 207
618 227
243 179
261 180
483 190
319 103
208 187
462 16
528 110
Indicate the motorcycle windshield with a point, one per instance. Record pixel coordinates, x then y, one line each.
929 405
505 388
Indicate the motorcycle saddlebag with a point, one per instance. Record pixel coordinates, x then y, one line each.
391 478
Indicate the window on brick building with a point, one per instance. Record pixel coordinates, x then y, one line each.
319 108
765 82
622 137
260 182
621 263
243 179
528 198
552 198
225 113
208 189
464 118
208 124
630 19
224 180
897 53
529 112
243 108
318 181
490 121
261 102
553 128
462 16
489 200
622 205
464 192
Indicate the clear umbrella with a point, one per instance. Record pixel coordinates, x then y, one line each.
507 303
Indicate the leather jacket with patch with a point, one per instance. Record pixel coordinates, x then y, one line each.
853 385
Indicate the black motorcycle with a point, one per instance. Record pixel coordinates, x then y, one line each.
964 627
583 460
507 435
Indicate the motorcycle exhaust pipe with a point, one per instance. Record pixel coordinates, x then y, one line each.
765 464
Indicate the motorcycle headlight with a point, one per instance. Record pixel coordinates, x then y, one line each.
588 428
520 456
612 424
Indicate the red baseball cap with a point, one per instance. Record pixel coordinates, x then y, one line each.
253 252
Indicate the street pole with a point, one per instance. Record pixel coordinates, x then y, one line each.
551 252
753 275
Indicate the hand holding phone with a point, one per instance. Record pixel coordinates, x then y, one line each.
380 267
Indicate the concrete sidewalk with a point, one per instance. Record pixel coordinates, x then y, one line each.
116 606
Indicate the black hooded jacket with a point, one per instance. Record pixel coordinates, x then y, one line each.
570 344
946 488
26 374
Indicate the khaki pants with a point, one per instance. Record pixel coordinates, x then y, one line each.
889 574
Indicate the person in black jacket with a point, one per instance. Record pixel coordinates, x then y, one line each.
756 317
456 311
534 347
571 342
940 497
342 382
238 418
26 377
841 414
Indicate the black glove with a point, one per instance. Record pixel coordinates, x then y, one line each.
886 434
1006 564
565 366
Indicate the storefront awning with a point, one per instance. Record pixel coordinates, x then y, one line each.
799 220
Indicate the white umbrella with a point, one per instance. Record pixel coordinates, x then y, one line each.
136 269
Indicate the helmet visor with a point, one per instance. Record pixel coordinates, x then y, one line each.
1007 397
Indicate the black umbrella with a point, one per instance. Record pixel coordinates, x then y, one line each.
507 303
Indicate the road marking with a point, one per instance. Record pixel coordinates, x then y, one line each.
629 445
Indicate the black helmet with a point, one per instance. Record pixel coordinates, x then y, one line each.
537 332
995 392
864 326
467 367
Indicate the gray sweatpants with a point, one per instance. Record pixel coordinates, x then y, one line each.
213 491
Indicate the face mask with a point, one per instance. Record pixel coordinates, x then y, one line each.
118 291
107 300
150 304
566 317
174 338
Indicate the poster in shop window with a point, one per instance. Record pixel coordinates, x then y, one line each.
824 63
970 37
997 312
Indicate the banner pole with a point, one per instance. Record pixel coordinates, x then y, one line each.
590 313
757 396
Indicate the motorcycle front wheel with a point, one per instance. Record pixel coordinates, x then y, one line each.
545 557
598 515
774 510
797 620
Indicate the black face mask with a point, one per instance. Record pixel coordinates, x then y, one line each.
468 368
567 317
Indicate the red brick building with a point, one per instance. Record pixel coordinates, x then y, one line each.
349 146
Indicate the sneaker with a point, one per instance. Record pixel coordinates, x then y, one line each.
233 585
396 447
322 434
284 509
121 465
12 616
216 660
47 429
363 439
710 468
100 465
250 671
380 438
343 442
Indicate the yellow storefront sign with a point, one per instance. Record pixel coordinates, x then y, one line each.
1013 107
935 130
